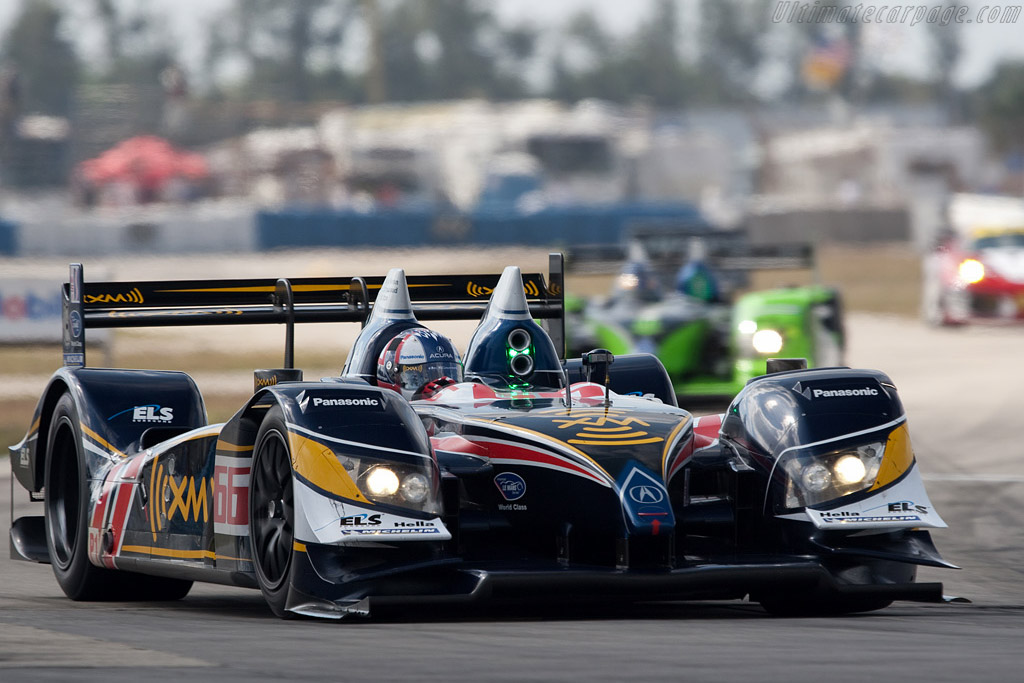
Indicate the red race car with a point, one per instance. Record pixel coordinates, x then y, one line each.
975 277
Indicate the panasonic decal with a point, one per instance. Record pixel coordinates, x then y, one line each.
842 393
318 402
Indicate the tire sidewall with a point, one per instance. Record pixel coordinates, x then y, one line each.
77 577
276 597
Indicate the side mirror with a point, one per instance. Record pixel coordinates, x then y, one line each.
785 364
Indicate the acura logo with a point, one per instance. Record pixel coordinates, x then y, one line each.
646 494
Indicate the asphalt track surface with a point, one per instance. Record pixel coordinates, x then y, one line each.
961 389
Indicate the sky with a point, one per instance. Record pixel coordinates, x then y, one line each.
898 47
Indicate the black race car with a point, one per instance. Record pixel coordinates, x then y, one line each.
526 476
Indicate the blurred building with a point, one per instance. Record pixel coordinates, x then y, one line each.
875 166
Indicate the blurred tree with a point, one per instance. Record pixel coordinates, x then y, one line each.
946 51
1000 104
45 62
286 50
732 48
646 65
137 46
448 49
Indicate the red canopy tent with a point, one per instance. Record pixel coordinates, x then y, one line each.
147 161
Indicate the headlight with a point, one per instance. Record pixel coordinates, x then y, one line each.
405 484
628 281
767 341
747 326
812 479
971 271
381 482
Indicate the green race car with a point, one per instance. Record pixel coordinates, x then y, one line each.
708 346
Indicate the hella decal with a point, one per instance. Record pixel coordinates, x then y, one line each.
511 485
147 413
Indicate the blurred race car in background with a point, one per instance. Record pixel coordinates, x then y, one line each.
414 479
975 273
710 338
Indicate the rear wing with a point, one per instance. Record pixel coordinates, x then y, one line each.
667 247
175 303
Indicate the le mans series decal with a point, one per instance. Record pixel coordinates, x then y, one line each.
512 487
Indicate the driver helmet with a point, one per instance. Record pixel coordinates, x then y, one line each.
417 362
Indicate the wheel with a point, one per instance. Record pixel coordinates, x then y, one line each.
66 512
935 311
272 511
66 509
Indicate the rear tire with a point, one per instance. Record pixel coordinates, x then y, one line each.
66 515
67 509
272 512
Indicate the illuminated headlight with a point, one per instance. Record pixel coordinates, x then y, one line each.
747 327
850 469
405 484
971 271
381 482
767 341
628 281
814 479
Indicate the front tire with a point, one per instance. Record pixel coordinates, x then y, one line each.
272 512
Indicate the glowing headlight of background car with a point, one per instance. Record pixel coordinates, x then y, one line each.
406 484
766 341
818 478
971 271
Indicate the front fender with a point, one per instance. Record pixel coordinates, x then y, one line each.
334 421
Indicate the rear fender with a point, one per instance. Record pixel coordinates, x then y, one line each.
115 408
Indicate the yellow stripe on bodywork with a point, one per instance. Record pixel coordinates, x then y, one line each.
256 290
299 547
898 457
152 508
545 439
317 464
271 288
232 447
103 442
670 441
628 442
180 554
